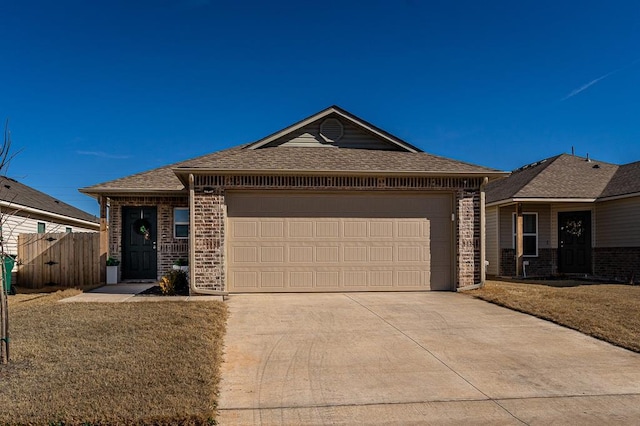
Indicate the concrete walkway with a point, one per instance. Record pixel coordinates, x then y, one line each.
126 292
426 358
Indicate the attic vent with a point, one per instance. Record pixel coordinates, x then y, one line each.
331 130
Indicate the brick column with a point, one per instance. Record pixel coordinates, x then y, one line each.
208 242
468 238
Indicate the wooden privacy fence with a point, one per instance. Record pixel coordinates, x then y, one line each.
63 259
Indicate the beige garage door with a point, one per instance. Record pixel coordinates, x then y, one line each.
317 241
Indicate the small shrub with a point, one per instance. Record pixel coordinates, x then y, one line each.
112 261
181 262
174 282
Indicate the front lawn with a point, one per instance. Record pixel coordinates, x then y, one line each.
610 312
126 363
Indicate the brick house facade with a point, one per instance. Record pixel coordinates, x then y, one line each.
350 165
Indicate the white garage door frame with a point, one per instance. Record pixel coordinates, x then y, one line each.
236 205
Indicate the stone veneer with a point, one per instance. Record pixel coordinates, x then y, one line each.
169 249
210 211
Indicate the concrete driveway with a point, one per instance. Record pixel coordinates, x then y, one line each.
427 358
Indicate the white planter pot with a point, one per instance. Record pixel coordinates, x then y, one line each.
181 268
112 274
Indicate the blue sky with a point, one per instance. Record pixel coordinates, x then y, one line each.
97 90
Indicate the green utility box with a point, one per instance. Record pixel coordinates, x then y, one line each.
8 265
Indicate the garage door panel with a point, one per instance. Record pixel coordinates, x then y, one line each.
410 253
411 278
301 279
355 229
272 229
242 254
338 242
245 229
327 254
300 254
300 229
272 254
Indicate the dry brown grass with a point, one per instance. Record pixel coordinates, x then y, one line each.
127 363
606 311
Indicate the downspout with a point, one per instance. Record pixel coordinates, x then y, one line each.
483 233
192 251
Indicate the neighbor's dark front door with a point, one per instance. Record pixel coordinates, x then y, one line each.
574 242
139 255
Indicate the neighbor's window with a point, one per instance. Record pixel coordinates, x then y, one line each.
69 230
41 227
529 235
181 222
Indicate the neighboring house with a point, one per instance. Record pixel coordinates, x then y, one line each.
26 210
579 216
331 203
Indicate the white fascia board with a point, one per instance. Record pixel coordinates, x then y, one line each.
540 200
619 197
17 208
201 171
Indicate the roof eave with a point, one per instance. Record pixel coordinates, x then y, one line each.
619 197
97 192
183 173
17 208
508 201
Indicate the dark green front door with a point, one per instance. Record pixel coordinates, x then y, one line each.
139 254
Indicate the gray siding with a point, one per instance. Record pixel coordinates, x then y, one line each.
309 136
492 250
544 225
618 223
506 227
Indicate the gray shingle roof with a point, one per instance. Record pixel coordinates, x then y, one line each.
625 181
562 176
334 160
18 194
292 159
260 157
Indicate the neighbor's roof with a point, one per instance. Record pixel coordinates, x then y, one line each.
625 181
561 177
16 194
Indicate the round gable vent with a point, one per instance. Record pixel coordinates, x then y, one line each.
331 130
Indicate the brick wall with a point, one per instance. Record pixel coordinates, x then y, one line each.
617 263
210 214
169 249
545 265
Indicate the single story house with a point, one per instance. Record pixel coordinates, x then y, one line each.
26 210
568 215
330 203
